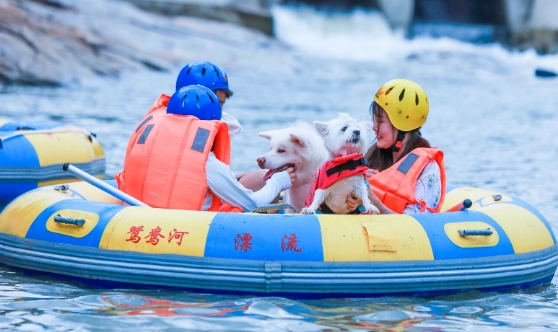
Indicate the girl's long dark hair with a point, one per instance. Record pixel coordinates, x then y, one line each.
382 159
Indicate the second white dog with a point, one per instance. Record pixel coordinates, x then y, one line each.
299 147
342 137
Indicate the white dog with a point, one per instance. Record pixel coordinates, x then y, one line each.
300 147
343 136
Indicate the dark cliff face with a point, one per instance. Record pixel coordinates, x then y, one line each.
38 48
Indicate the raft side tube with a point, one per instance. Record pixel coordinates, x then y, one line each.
271 277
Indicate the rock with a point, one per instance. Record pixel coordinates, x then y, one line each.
249 13
38 49
56 43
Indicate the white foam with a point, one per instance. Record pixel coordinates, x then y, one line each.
365 35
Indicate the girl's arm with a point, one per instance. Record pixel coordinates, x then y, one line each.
354 202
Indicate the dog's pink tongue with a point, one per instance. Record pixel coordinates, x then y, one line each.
273 171
268 174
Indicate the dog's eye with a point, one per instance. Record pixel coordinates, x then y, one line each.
280 151
344 128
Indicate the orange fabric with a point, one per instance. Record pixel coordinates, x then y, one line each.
395 186
158 106
160 103
164 168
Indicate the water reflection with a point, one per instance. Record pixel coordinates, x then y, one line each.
27 302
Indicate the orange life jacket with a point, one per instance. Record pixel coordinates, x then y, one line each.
165 166
395 186
158 107
335 170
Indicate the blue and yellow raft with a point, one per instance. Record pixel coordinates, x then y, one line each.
82 232
32 155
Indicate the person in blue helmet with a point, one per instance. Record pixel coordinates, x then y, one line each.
181 159
207 74
212 76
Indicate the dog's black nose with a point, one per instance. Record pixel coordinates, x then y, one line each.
356 132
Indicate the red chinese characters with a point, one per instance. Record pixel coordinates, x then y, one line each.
176 235
290 242
134 234
52 137
155 235
243 242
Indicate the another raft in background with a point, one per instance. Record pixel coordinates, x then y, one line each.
32 155
500 242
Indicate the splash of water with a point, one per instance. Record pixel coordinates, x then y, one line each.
365 35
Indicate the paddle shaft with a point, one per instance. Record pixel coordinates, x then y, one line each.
67 167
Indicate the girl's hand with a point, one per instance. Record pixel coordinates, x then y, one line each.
292 174
371 172
353 202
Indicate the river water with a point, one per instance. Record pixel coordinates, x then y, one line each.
494 119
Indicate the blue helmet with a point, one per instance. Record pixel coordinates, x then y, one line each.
204 73
195 100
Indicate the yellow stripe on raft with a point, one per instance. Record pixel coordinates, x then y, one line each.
72 179
17 217
457 196
521 226
57 181
92 193
64 147
98 151
381 238
158 231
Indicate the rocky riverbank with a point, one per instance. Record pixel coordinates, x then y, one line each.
60 42
42 43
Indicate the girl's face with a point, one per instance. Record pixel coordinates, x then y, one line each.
386 134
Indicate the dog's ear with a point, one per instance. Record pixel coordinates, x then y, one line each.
265 134
321 127
298 140
344 116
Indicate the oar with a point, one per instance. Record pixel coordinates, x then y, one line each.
78 173
67 167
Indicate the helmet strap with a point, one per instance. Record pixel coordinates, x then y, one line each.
399 142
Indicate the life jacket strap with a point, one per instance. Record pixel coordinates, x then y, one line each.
350 165
399 142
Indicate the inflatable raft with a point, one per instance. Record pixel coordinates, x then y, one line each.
32 155
499 242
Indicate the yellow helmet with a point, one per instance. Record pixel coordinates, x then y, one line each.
405 103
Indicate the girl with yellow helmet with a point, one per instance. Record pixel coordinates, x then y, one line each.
406 174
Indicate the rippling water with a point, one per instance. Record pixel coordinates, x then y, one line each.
496 122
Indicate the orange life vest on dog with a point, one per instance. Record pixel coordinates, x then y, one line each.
335 170
395 186
165 166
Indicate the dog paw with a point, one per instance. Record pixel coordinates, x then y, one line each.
371 209
307 211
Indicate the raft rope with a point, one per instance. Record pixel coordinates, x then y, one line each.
62 129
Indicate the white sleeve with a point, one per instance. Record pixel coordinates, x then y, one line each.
428 189
223 184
